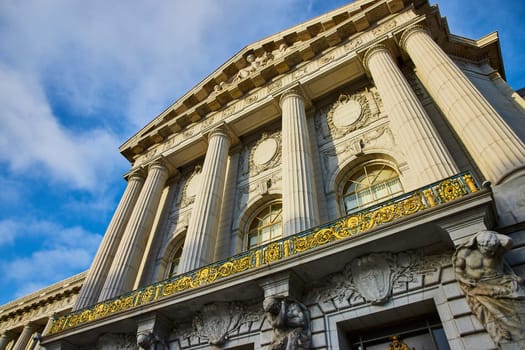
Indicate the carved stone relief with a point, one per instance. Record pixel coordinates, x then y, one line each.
265 153
372 277
217 322
494 293
191 186
290 321
384 28
116 341
349 113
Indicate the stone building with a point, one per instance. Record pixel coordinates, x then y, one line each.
354 182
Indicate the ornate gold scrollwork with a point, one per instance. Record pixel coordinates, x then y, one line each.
445 191
449 190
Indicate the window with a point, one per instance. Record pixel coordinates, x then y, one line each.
266 226
373 184
175 262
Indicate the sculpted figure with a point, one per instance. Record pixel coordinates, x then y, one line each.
149 341
291 324
494 293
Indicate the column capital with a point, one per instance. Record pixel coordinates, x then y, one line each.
372 51
221 129
418 28
135 174
293 91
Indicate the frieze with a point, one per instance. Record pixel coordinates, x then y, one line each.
309 67
372 277
275 85
384 28
299 72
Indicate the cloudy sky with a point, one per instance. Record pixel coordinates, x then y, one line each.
78 78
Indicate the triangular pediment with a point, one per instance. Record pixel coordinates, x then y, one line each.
258 64
264 62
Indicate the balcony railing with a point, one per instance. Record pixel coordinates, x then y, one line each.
347 227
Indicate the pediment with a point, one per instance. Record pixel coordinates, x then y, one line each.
257 64
263 64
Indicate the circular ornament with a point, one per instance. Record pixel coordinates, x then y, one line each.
347 113
193 185
265 151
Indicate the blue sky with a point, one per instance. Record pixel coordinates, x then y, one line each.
78 78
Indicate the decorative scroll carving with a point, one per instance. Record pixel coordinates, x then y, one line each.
371 277
384 28
353 44
189 191
349 113
495 294
291 324
116 341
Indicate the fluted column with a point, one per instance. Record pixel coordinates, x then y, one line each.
123 270
199 244
423 148
24 337
492 144
100 267
5 338
299 201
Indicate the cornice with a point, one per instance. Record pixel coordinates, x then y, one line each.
305 42
54 292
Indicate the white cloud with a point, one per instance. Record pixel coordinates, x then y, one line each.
31 137
59 252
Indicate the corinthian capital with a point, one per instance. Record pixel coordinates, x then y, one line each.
418 28
292 92
372 51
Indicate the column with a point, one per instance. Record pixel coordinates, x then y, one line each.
300 210
100 267
124 269
492 144
5 338
424 150
199 244
24 337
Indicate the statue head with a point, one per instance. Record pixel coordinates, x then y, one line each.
272 305
488 243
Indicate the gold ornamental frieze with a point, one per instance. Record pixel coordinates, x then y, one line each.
352 225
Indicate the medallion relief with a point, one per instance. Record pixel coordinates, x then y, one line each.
265 153
372 277
191 187
215 323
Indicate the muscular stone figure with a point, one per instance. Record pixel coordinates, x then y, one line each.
290 322
494 293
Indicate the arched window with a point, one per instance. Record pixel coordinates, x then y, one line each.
372 184
174 263
266 226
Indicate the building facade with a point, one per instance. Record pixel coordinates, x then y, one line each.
355 182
